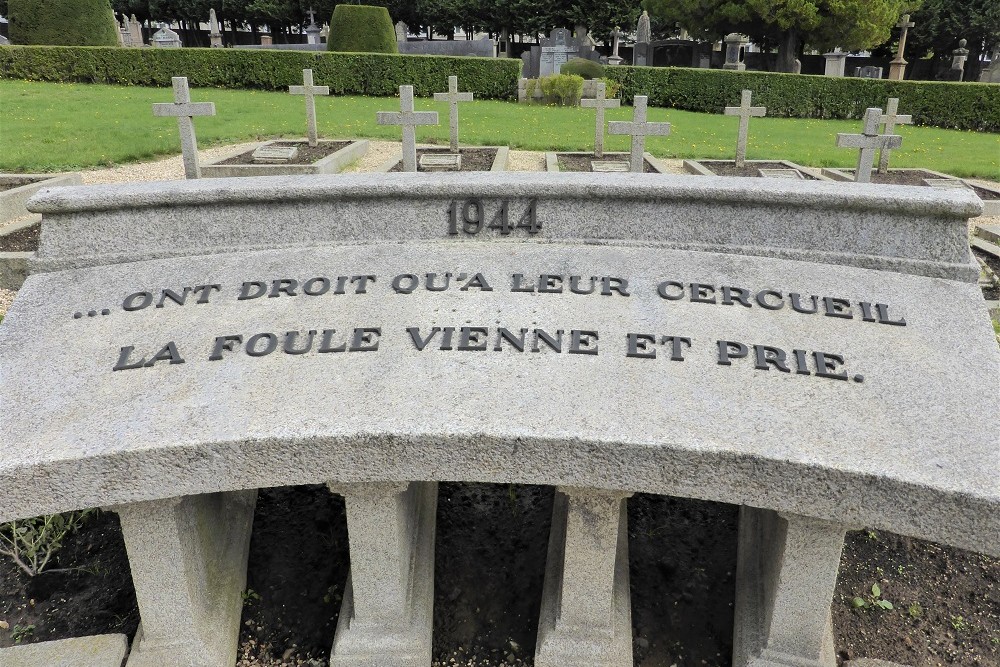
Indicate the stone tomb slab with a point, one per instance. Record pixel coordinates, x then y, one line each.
793 174
584 162
440 162
272 154
947 183
751 169
609 166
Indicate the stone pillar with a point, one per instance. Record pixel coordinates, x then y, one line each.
387 613
586 615
836 62
786 573
735 44
266 40
189 565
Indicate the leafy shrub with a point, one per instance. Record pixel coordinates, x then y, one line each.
612 88
962 106
363 29
588 69
564 89
346 73
62 22
31 543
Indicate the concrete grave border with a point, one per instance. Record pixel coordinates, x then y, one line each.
331 164
552 160
93 651
500 162
698 168
12 202
991 207
14 265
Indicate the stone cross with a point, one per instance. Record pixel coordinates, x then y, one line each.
453 97
638 129
897 68
310 91
890 118
745 112
312 16
185 111
868 142
600 102
408 119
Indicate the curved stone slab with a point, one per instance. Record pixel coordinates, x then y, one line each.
907 442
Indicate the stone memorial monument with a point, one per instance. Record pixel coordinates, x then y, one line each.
616 35
745 111
313 31
185 110
836 62
214 29
165 38
600 102
135 31
556 50
309 91
643 37
638 129
958 58
868 142
897 68
124 35
868 72
152 369
453 97
735 46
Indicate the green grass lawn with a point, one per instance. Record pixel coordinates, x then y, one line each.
53 127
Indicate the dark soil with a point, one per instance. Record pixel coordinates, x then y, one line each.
473 159
85 590
990 293
917 178
298 566
489 567
682 558
570 162
984 193
10 184
946 603
307 154
23 240
749 169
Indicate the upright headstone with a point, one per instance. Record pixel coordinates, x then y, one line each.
735 43
408 119
215 30
266 40
745 112
453 97
638 129
185 111
122 30
402 30
310 91
958 58
135 30
165 38
897 68
836 62
991 74
4 41
600 102
797 66
616 36
557 49
868 142
312 30
868 72
643 36
890 119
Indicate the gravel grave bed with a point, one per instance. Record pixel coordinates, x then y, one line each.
23 240
307 154
568 162
750 169
473 159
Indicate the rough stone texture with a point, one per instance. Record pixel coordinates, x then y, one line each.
12 201
585 616
639 128
453 97
96 651
13 269
184 110
745 112
188 558
331 164
786 573
387 614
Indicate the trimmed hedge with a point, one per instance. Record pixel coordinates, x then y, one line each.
962 106
588 69
62 22
346 73
362 29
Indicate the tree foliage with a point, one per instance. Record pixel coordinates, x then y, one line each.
940 24
62 22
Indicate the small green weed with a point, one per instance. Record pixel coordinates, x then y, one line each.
22 632
915 610
873 600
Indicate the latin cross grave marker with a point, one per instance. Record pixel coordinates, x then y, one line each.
890 118
745 112
600 102
453 97
185 111
868 142
408 119
310 91
638 129
897 68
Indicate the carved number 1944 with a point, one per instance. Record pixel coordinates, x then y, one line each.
470 217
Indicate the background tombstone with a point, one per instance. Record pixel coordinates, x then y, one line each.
868 72
310 91
958 58
735 44
868 142
313 31
402 30
215 32
616 36
745 112
991 74
135 30
453 97
185 111
897 68
889 119
558 48
638 129
4 41
165 38
643 36
408 119
836 61
797 66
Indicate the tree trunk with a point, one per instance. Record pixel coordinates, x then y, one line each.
788 50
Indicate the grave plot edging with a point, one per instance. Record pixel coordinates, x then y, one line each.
500 161
698 168
13 201
552 160
14 265
331 164
94 651
991 207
